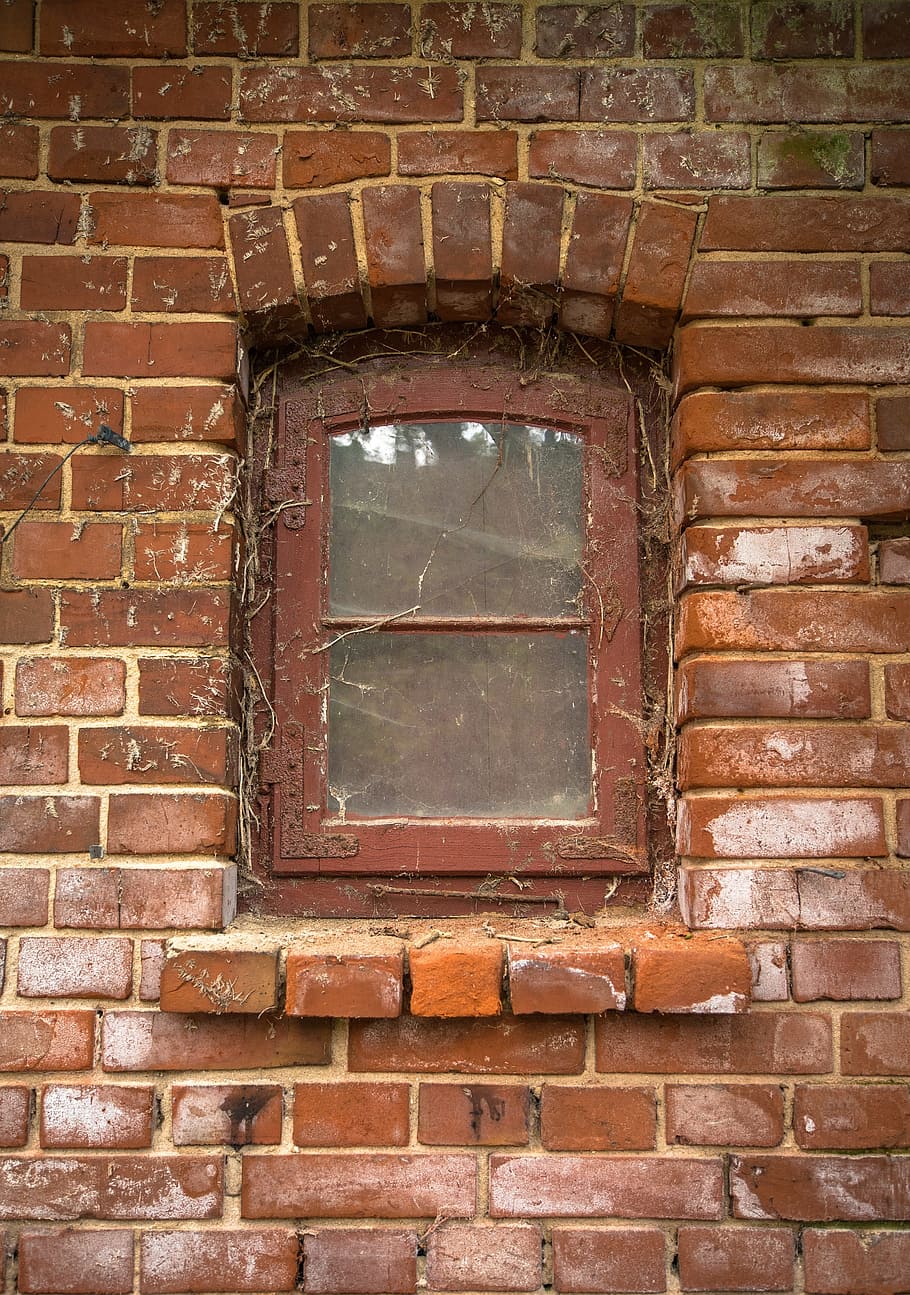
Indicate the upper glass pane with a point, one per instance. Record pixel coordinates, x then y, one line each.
455 519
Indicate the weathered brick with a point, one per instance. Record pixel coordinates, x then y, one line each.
800 29
33 755
65 414
585 1187
151 960
251 1260
195 413
182 93
336 984
597 1118
204 979
875 1043
50 967
456 981
182 823
527 94
733 1259
483 1115
46 1040
17 26
462 251
697 160
58 283
19 152
221 158
578 979
656 275
153 482
755 827
155 898
24 896
845 969
851 1117
34 349
247 30
64 551
183 553
855 1262
380 1261
103 154
148 617
97 1116
351 1115
603 158
96 1262
185 686
594 260
317 158
718 1115
802 755
889 157
15 1113
595 31
230 1114
682 31
114 756
342 30
791 223
811 160
347 92
530 253
132 31
499 1046
136 1041
156 220
690 975
763 555
797 1043
22 480
48 824
889 288
26 616
454 152
635 94
793 689
586 1259
795 620
775 288
767 420
897 691
262 263
395 255
465 1258
458 30
193 350
75 90
111 1187
892 417
201 284
821 1189
352 1185
782 92
329 261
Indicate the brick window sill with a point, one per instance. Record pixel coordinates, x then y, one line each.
463 974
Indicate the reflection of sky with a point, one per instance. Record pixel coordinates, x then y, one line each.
385 441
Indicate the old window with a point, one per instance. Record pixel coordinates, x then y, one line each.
451 642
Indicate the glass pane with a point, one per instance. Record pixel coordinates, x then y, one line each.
474 725
455 519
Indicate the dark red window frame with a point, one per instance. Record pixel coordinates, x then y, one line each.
301 839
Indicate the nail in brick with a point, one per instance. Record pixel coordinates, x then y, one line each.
341 1259
483 1115
182 93
358 1185
230 1114
395 255
584 1259
597 245
462 251
46 1040
851 1117
96 1262
719 1115
355 985
351 1115
466 31
359 31
172 1262
530 253
211 980
329 261
265 29
136 1041
96 1117
463 1258
736 1259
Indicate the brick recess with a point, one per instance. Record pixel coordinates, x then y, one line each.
180 182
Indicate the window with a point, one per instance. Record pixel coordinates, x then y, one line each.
451 645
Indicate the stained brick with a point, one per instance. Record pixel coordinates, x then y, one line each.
875 1043
136 1041
889 288
656 275
47 1040
26 616
889 157
156 220
317 159
247 30
184 686
567 980
800 620
33 755
23 477
785 223
811 160
603 158
51 967
530 253
893 423
504 1045
464 1258
15 1112
44 89
111 1187
204 979
250 1260
794 689
897 691
766 420
527 94
381 1261
483 1115
335 984
595 31
681 31
114 756
764 555
697 160
786 92
851 1117
585 1187
800 29
24 896
635 94
194 413
64 551
756 827
821 1189
693 974
815 755
182 823
736 1259
343 1114
395 255
96 1116
48 824
453 152
718 1115
587 1260
65 414
231 1114
122 618
776 288
262 264
103 154
594 260
797 1043
131 898
846 969
59 283
358 1185
96 1262
462 251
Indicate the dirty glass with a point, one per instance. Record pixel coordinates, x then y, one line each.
459 724
455 519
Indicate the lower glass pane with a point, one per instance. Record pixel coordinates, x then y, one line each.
471 725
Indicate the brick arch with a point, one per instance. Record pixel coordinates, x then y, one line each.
525 253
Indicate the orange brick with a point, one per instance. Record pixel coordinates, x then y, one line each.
695 974
348 985
453 981
211 980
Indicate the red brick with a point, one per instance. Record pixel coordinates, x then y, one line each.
230 1114
820 1189
136 1041
889 287
67 551
201 1261
719 1115
694 974
329 261
156 220
151 959
527 94
793 93
220 158
201 284
29 349
460 30
594 260
19 151
462 251
337 984
846 969
111 1187
875 1043
183 553
262 264
355 31
96 1262
23 896
501 1046
26 616
767 420
132 31
811 160
656 275
797 1043
187 413
316 159
361 1261
850 1117
185 686
795 620
130 898
841 1262
182 93
21 476
451 152
103 154
60 283
74 968
456 980
897 691
247 30
96 1116
48 824
795 756
45 89
46 1040
697 160
596 31
65 414
584 980
216 980
17 23
764 555
185 823
775 288
27 217
603 158
347 92
465 1258
892 422
636 94
530 253
782 223
148 617
33 756
621 1186
886 30
737 827
483 1115
588 1260
193 350
800 29
351 1185
681 31
113 756
736 1259
395 255
15 1112
351 1115
597 1118
795 689
890 164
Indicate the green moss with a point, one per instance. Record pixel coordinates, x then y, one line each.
830 152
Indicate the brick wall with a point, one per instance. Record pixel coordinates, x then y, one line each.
273 1106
